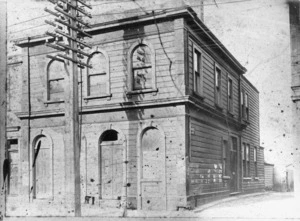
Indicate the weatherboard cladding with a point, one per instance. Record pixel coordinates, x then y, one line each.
193 137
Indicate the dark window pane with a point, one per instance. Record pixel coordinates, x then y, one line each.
110 135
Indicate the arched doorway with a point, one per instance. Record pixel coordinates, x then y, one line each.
111 166
42 168
152 170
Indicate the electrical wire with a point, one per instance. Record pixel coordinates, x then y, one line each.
28 28
170 8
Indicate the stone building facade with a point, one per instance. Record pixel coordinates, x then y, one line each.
167 121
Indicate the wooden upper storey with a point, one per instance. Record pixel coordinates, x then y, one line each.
156 59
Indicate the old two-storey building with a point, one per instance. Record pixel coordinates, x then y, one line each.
167 121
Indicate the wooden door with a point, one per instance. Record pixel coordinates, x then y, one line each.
233 165
152 181
111 171
42 170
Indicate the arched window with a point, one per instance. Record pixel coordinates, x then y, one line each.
42 168
98 82
141 68
55 80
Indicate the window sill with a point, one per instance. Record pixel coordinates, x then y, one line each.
230 114
247 178
245 121
256 178
97 97
53 102
226 177
141 91
197 95
218 107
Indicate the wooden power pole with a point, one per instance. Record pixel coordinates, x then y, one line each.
68 16
3 90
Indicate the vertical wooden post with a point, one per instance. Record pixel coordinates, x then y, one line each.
72 146
3 71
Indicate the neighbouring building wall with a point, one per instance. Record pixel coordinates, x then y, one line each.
253 154
295 83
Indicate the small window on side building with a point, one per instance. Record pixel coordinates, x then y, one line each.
218 80
255 161
197 69
230 96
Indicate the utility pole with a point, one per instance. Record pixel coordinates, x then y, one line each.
3 90
68 15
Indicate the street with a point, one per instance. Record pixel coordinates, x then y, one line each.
262 206
271 205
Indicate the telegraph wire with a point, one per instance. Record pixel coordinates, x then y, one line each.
22 22
148 11
170 8
28 28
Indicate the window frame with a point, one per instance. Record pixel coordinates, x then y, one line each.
218 85
107 73
242 104
245 160
245 105
130 77
255 154
225 158
230 94
248 159
48 99
198 89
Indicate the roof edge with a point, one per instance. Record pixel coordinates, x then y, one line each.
184 11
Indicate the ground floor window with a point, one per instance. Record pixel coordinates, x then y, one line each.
255 161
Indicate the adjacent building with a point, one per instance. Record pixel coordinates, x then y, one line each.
295 85
167 121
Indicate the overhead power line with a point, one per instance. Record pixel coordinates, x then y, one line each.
157 9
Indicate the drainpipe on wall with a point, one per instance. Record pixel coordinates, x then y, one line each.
3 102
240 163
29 115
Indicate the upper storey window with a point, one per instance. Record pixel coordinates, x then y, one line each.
197 69
218 80
230 95
245 105
141 68
98 81
55 80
